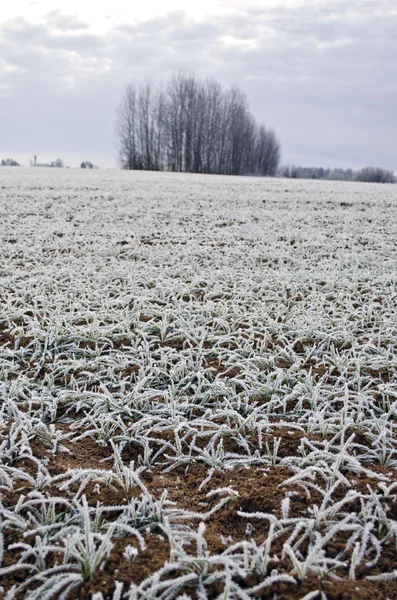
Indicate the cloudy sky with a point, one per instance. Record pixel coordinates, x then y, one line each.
322 73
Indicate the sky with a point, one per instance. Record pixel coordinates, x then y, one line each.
321 73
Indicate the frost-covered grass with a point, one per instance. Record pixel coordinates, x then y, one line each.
198 390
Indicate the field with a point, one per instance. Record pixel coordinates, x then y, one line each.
198 390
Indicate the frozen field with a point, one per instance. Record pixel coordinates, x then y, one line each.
198 390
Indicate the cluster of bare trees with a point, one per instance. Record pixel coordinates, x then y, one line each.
58 163
9 162
375 175
193 126
367 174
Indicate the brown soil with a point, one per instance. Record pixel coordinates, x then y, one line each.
253 490
256 490
6 339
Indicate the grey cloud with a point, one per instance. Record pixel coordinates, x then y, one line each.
322 77
63 22
32 37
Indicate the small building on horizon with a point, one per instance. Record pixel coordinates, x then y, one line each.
55 163
34 163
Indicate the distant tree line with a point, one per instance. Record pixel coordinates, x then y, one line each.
87 164
9 162
58 163
193 126
367 174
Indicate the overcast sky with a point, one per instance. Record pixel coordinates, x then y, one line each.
322 73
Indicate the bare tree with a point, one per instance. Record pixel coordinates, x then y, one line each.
126 124
267 152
